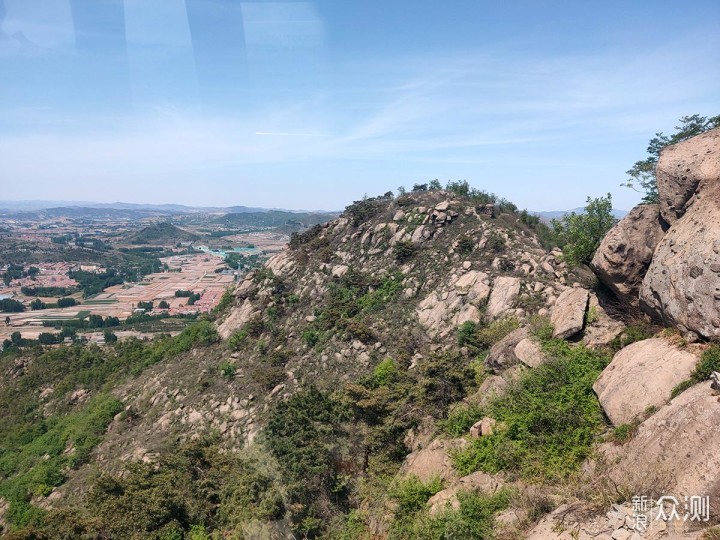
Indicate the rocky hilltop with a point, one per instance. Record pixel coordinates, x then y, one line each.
424 366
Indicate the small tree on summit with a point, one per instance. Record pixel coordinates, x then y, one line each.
642 174
580 234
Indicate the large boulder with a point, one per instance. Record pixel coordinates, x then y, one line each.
434 461
530 353
502 355
625 253
600 328
675 451
237 317
492 387
474 285
444 310
568 315
686 170
502 298
641 375
682 285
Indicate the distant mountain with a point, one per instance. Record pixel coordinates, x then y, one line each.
161 234
15 207
80 212
557 214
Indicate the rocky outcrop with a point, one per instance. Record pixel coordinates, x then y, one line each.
502 354
492 387
483 428
237 318
502 299
600 329
529 352
440 312
575 521
625 253
686 172
641 375
682 285
474 285
473 483
434 461
568 314
675 450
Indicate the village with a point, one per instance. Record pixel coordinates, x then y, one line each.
201 277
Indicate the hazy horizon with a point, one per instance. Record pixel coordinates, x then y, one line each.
28 205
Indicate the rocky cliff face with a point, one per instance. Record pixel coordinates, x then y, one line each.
682 285
674 276
625 253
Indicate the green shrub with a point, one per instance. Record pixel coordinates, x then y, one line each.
443 379
466 333
311 337
385 373
472 521
305 434
623 433
404 251
681 387
378 297
465 245
353 527
541 328
268 377
255 326
226 300
633 333
581 234
35 465
460 419
552 418
237 340
227 369
358 330
190 484
496 243
361 211
411 494
495 331
709 362
479 337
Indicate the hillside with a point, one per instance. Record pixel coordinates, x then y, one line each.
273 218
161 234
423 366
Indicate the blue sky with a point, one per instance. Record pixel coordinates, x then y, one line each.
314 104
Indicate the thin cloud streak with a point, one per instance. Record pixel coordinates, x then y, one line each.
478 112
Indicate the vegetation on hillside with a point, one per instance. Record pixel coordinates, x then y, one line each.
162 234
41 443
326 462
580 234
548 419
